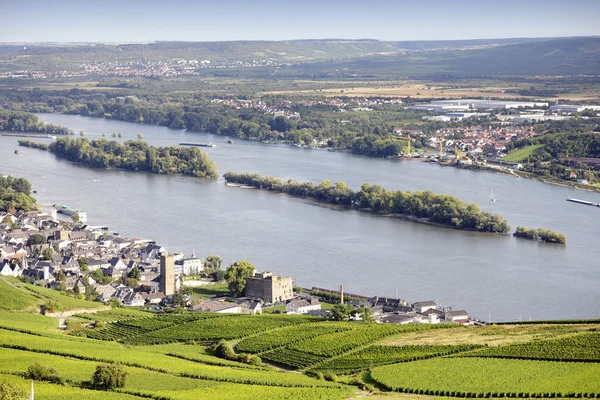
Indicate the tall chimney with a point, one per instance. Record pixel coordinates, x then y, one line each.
341 294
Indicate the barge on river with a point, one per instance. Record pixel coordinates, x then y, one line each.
584 202
197 144
62 209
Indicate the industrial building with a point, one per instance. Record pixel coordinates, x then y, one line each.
475 104
440 107
572 108
268 287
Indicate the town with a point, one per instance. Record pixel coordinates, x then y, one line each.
146 69
92 263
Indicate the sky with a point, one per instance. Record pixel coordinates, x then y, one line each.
128 21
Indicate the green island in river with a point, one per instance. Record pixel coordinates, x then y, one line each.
427 206
133 155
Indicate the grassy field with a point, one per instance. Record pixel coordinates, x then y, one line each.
16 295
414 89
13 298
208 291
521 154
492 335
481 376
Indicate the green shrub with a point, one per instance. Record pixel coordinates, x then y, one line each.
331 377
11 392
41 372
224 350
109 377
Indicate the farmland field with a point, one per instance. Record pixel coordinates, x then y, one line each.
486 375
374 356
491 335
581 347
521 154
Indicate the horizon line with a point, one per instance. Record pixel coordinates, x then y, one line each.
286 40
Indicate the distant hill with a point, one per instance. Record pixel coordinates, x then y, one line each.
572 56
520 56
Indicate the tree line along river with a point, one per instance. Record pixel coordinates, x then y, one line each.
485 274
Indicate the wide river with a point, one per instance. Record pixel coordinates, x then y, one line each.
488 275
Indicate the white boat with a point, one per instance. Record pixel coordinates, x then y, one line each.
62 209
492 198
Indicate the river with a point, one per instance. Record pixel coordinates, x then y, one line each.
488 275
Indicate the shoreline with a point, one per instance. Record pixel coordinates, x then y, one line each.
348 151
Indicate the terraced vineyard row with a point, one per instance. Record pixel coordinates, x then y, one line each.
374 356
582 347
292 358
340 342
288 336
129 328
210 329
488 377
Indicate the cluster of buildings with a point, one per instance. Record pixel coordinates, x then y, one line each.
143 68
468 105
80 252
398 311
91 262
478 140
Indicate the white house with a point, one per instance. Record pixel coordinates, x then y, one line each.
302 306
8 269
220 307
250 306
455 316
422 306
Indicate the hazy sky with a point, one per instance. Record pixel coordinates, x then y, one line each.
149 20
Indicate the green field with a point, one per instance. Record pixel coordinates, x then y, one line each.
581 347
16 295
167 356
521 154
374 356
485 375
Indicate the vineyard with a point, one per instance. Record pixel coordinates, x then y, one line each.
288 336
584 347
374 356
488 377
169 357
172 328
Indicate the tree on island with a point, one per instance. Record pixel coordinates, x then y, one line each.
236 275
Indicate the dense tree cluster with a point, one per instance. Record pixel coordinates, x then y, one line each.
14 121
549 159
441 209
368 133
33 144
560 145
134 156
543 235
14 194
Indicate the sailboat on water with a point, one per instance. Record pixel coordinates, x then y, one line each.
492 198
